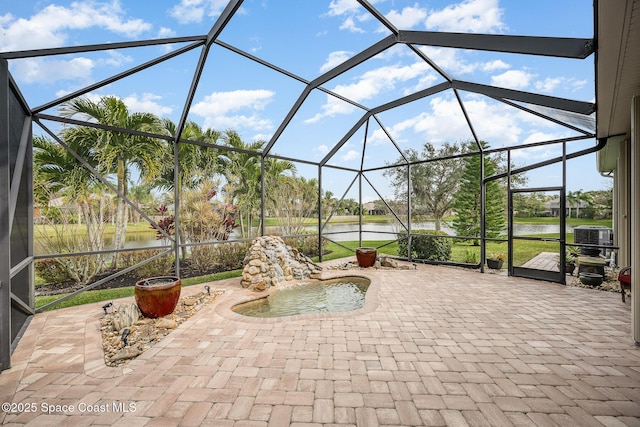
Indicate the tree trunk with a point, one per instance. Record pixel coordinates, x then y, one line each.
121 213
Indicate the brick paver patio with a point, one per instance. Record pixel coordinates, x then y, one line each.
434 346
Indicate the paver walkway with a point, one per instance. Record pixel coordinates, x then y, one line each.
434 346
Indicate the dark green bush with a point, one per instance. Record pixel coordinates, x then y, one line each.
427 245
52 271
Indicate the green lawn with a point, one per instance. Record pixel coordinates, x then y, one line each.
570 221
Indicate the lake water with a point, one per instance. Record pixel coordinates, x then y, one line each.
349 232
378 231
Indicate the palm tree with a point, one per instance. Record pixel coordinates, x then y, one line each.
576 198
141 196
117 152
59 172
197 163
242 172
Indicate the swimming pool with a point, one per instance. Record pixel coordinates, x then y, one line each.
326 296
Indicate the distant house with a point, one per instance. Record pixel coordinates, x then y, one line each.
553 207
371 208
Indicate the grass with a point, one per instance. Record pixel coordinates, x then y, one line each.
570 221
88 297
81 229
461 252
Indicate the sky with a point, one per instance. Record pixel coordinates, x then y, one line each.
309 38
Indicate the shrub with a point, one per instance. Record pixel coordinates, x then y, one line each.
202 259
427 245
470 256
218 257
158 267
308 245
52 271
499 256
229 256
78 268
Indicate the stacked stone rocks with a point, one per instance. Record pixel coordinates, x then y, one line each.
270 261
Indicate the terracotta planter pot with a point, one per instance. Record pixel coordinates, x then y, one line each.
158 296
366 256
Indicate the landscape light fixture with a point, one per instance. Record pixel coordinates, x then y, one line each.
107 306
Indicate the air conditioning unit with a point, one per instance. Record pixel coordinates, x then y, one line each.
593 235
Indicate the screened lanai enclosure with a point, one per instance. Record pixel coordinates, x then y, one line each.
282 130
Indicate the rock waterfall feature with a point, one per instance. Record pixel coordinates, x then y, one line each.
270 261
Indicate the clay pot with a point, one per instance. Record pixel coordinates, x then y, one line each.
158 296
366 256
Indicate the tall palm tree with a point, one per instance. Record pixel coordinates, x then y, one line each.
197 163
117 152
242 172
59 172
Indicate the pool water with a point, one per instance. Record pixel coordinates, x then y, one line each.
327 296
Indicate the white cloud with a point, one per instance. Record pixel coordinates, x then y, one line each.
334 59
453 61
48 28
189 11
350 155
378 137
409 17
549 84
114 59
350 25
235 109
164 32
495 65
332 107
469 16
39 70
147 103
540 152
513 79
352 12
47 70
496 123
340 7
6 18
323 149
537 136
368 86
